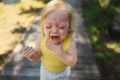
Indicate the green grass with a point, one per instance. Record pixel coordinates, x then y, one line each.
107 51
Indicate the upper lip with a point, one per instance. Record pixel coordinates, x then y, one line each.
54 36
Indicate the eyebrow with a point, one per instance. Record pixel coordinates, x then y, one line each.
58 23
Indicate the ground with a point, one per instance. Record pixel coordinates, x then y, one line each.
14 19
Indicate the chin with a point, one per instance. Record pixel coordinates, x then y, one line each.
56 43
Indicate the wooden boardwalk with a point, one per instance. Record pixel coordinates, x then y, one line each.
19 68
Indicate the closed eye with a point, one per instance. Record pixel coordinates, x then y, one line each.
62 27
48 27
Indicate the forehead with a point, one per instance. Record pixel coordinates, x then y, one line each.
57 15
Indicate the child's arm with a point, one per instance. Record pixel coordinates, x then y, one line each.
69 58
33 54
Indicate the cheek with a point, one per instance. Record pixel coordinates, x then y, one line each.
64 32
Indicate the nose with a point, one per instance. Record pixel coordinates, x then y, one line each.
55 30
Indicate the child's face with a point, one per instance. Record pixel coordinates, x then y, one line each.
56 26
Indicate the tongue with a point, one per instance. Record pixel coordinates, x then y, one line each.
54 38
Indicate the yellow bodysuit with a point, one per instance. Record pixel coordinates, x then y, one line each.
51 61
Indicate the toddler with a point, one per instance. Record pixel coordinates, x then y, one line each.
56 48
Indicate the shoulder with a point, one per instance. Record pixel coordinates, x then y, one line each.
72 42
72 47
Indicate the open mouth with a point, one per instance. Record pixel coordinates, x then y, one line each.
55 37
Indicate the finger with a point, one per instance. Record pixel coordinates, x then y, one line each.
26 51
37 52
25 48
32 53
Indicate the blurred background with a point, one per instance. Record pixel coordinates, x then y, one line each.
102 23
15 17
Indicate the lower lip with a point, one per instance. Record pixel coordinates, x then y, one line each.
55 40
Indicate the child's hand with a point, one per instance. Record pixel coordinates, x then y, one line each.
69 57
29 51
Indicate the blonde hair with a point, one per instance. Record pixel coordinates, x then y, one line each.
56 4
